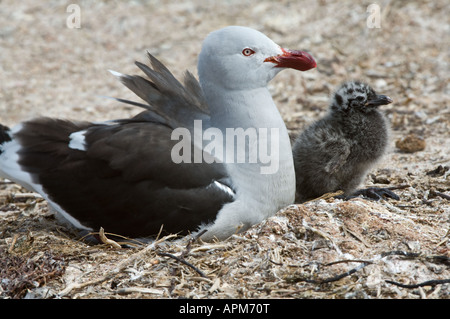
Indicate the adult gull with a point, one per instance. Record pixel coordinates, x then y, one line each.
136 176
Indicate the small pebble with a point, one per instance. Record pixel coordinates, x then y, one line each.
411 143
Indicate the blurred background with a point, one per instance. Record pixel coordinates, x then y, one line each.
48 66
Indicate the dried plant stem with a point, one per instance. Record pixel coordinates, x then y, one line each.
106 240
422 284
122 265
181 260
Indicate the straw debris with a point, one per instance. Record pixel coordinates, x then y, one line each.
326 248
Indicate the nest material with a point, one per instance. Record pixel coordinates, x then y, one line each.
321 249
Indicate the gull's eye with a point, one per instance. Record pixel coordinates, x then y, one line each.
248 52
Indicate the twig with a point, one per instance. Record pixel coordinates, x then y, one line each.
190 242
425 283
446 238
399 253
26 195
443 259
181 260
356 236
75 286
135 243
122 265
13 243
443 241
435 259
335 278
275 263
439 259
436 193
6 182
345 274
316 231
106 240
322 234
325 196
208 247
349 261
403 186
160 231
142 290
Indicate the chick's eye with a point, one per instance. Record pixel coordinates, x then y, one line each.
248 52
360 98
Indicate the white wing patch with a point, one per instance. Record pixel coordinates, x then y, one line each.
10 169
77 140
224 188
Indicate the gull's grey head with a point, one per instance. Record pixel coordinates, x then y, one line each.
355 96
237 58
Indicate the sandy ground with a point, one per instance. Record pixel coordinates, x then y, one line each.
322 249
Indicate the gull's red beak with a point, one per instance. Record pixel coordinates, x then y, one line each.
293 59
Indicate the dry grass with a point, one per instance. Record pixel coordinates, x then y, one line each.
322 249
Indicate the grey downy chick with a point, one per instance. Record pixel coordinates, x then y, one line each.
336 152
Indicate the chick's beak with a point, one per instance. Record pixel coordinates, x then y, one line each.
293 59
379 100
